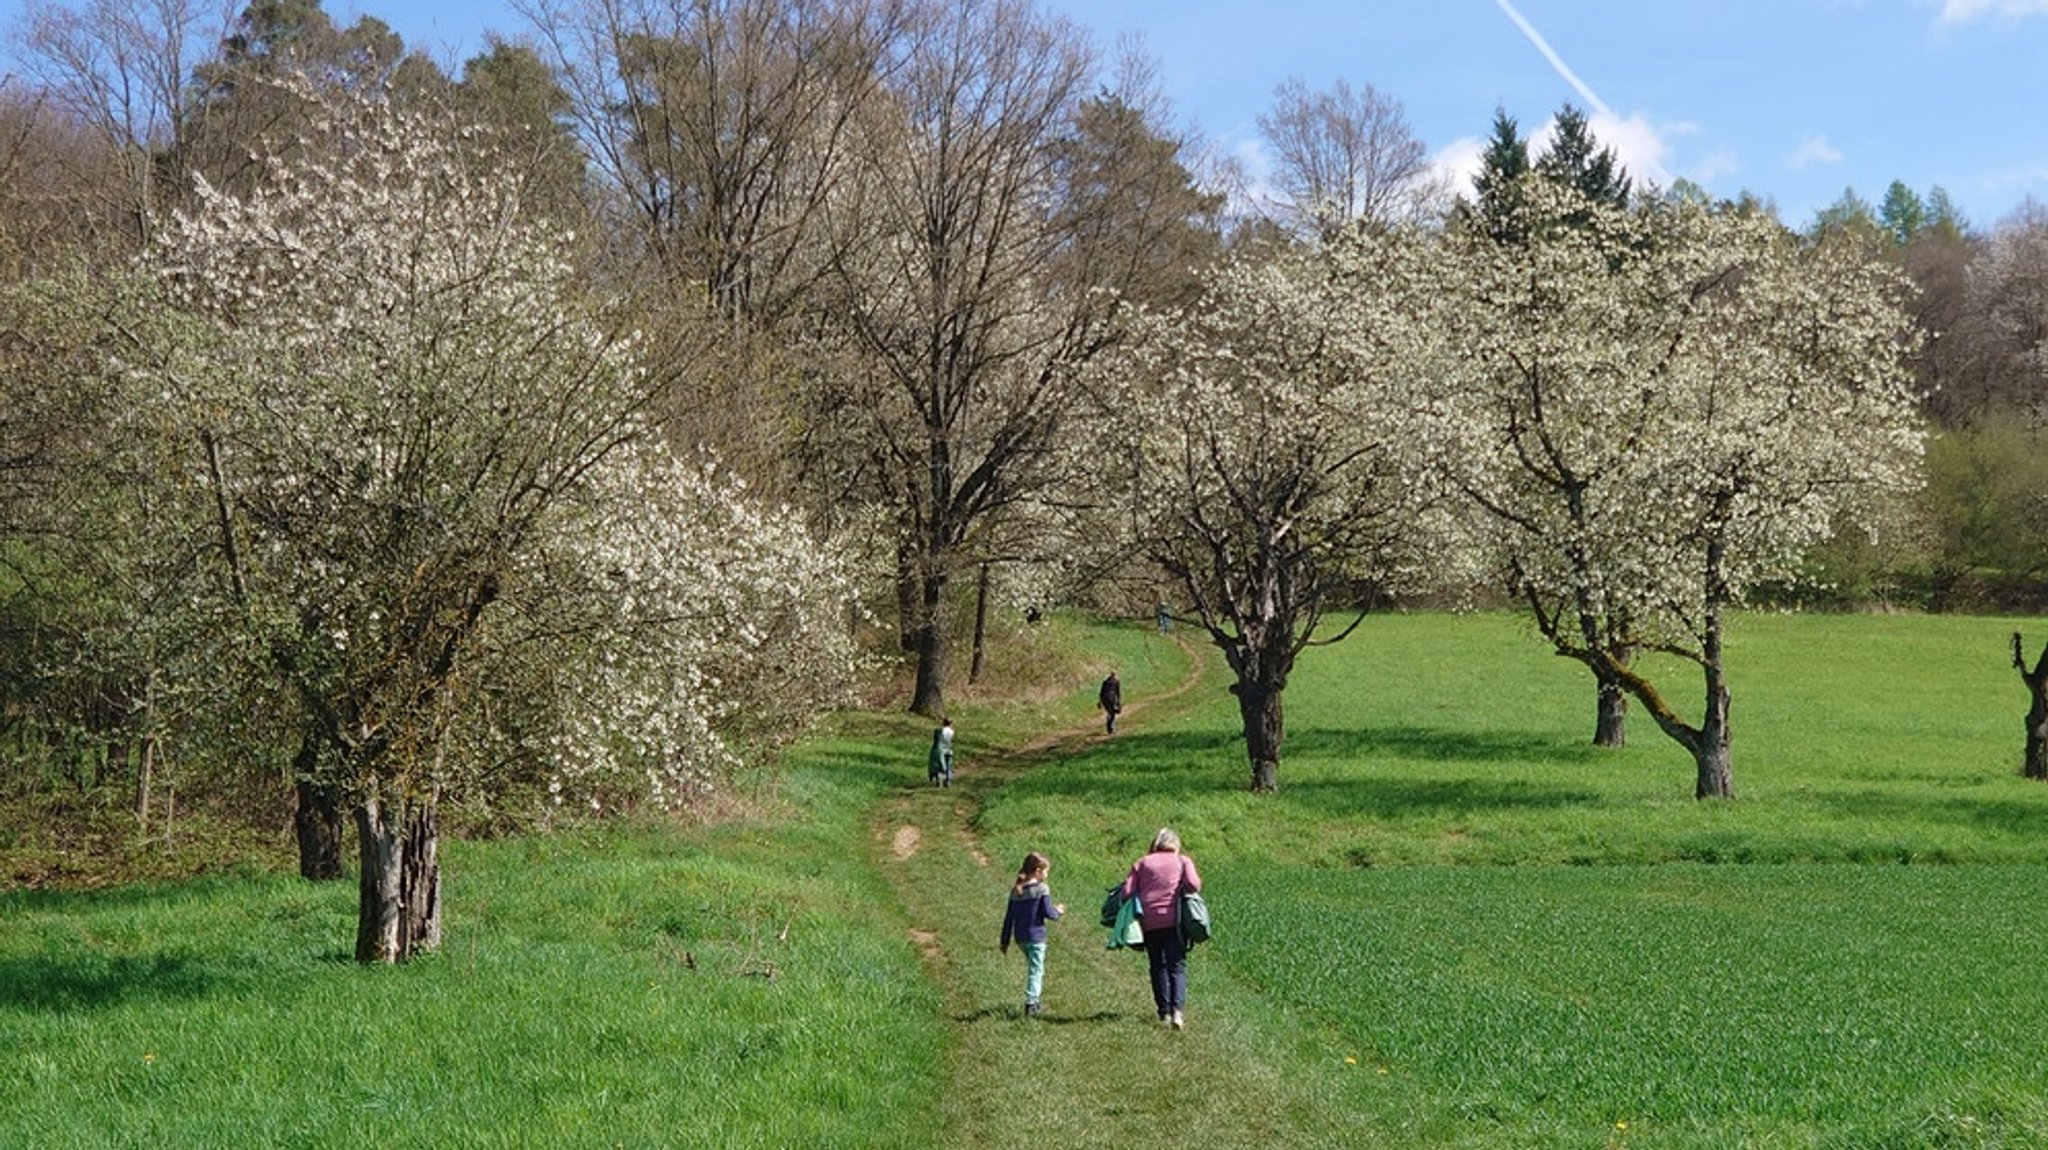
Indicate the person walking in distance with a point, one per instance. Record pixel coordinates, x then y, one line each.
939 764
1111 700
1156 880
1031 907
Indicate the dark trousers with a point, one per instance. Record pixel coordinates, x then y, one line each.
1167 955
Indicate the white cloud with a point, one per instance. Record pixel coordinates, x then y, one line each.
1639 144
1720 162
1966 11
1457 162
1813 150
2023 179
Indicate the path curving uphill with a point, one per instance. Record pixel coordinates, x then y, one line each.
1096 1069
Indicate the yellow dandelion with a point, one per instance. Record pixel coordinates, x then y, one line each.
149 1058
1349 1060
1384 1070
1621 1125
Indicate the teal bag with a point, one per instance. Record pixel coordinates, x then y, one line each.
1112 901
1127 931
1194 918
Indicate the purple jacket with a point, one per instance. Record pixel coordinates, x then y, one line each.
1030 909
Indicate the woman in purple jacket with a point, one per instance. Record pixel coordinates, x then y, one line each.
1157 881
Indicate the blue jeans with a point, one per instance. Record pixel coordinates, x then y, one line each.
1166 953
1034 970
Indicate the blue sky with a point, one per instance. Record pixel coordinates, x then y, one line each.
1791 99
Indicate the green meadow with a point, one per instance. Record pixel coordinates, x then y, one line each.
1456 926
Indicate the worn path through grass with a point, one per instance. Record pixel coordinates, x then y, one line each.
1097 1069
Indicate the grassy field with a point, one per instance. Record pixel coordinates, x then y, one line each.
1456 926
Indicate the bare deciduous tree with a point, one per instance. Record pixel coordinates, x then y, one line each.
120 69
723 127
950 287
1342 155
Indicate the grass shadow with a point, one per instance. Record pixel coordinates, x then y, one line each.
1096 1019
2004 817
1435 745
1016 1014
92 983
1399 798
1184 765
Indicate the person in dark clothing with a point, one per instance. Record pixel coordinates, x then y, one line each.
1111 699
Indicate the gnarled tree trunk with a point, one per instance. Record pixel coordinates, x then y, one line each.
398 914
1710 742
2036 763
1610 724
1264 729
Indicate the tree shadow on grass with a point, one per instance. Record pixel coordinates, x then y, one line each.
2008 819
81 982
1397 799
1183 765
1362 744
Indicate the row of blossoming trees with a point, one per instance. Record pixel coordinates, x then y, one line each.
1629 416
370 458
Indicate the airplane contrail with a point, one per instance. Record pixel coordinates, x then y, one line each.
1556 61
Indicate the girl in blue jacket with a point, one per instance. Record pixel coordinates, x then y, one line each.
1031 907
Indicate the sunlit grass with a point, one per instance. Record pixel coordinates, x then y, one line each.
1456 926
616 989
1704 1006
1458 740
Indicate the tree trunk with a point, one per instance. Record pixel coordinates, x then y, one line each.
908 619
980 626
398 913
317 821
144 776
1610 726
145 772
929 698
2035 765
1711 753
1264 729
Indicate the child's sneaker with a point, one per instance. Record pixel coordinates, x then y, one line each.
1175 1020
